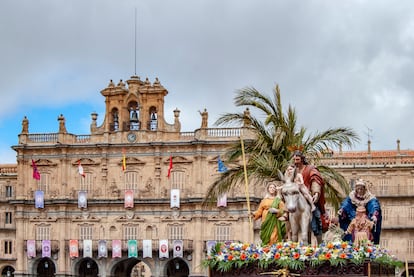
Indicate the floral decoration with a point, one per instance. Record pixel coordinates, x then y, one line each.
292 255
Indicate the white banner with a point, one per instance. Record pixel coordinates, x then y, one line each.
178 248
164 249
87 248
147 248
102 249
175 198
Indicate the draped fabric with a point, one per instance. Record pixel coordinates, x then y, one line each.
271 230
311 174
39 199
102 249
163 249
178 248
82 199
87 248
46 249
147 248
132 249
31 248
73 248
116 248
222 200
129 198
175 198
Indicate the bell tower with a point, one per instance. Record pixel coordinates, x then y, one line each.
135 106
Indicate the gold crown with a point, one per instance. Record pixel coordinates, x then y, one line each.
294 148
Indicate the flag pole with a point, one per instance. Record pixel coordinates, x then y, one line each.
247 190
406 268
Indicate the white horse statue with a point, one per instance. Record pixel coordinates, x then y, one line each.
300 213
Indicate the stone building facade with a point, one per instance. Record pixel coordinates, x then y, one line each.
144 181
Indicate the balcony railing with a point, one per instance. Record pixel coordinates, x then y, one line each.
392 190
398 221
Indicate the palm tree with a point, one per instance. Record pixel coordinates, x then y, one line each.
270 150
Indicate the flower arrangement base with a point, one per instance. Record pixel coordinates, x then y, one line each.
324 270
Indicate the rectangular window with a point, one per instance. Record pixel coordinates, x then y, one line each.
130 232
131 180
85 232
8 218
177 180
9 191
410 186
410 245
176 232
85 183
383 186
385 214
222 233
43 233
44 183
411 213
8 247
384 243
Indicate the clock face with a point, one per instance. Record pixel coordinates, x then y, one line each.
131 137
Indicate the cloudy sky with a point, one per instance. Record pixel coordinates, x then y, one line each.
339 63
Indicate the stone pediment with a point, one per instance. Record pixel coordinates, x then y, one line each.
84 161
127 218
177 160
43 219
214 159
85 219
45 162
132 161
221 218
175 219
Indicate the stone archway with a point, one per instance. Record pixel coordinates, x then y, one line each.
46 268
177 268
88 268
141 269
7 271
410 273
131 267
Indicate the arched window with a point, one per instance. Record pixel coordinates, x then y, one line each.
114 120
153 124
134 122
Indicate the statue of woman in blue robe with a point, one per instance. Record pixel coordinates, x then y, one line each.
361 196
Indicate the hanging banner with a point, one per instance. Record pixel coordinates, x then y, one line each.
39 199
147 248
175 198
102 249
178 248
46 250
132 248
73 248
87 248
129 198
222 200
82 199
31 248
116 248
163 249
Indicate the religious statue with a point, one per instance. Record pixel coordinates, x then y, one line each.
361 197
360 227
